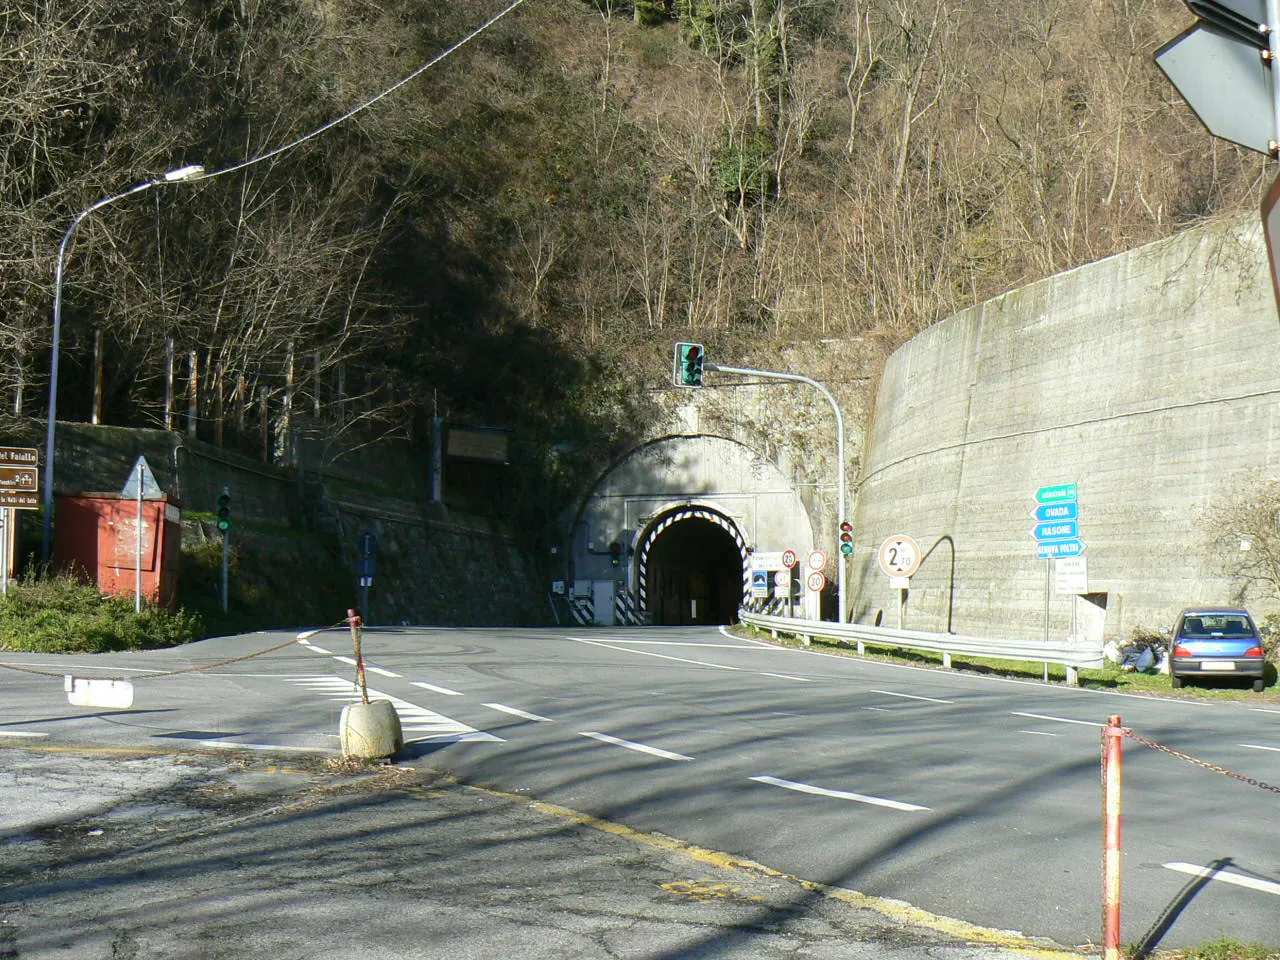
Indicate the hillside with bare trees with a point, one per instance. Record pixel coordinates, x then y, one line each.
517 235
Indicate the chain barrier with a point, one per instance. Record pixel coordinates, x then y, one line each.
1199 763
173 673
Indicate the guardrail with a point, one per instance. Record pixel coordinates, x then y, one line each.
1071 656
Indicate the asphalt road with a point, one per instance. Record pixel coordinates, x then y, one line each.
965 796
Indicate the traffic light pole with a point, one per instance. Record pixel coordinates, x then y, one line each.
840 484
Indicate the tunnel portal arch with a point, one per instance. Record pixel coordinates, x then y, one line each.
716 496
691 567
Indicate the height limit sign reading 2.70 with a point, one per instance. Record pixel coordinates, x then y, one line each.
899 556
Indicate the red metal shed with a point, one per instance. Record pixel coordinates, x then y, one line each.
96 535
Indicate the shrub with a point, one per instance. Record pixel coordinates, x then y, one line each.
65 615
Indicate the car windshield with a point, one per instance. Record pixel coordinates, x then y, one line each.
1207 626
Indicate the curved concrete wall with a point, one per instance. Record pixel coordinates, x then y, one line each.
1149 379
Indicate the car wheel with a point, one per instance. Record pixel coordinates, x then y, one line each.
1177 681
1259 684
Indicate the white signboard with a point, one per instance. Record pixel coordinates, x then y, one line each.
767 561
817 560
1070 575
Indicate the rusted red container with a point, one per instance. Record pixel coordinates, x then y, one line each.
95 535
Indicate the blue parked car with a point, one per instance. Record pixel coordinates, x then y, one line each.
1216 642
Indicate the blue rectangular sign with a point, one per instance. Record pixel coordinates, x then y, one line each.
1069 510
1056 530
1059 548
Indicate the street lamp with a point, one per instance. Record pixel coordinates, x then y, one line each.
191 172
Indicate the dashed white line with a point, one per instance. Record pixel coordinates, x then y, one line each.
839 794
315 649
1258 746
434 689
19 733
787 676
517 713
1263 710
1038 733
631 745
1041 716
1253 883
661 656
346 660
910 696
381 672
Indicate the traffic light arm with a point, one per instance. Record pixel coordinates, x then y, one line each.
840 485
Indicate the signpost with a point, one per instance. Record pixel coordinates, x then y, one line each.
19 489
899 558
141 485
1057 534
1222 66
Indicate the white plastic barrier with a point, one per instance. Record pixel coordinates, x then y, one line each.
1071 656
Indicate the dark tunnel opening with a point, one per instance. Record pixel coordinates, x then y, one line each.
695 575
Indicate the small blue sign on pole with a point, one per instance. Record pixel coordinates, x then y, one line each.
1056 530
1067 510
1052 549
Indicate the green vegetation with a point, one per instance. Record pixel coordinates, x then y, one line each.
1110 677
1225 948
64 615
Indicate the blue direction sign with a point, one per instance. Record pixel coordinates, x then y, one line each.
1057 493
1059 548
1067 510
1056 530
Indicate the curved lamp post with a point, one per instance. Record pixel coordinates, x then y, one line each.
192 172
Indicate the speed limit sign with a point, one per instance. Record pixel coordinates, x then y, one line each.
816 581
899 556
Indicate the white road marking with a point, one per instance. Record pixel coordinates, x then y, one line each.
346 660
518 713
675 643
19 733
1258 746
234 745
838 794
910 696
642 748
661 656
1263 710
878 709
784 676
434 689
1038 733
380 671
1041 716
315 649
1253 883
413 718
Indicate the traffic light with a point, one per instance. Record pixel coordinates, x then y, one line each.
846 537
687 370
224 511
615 553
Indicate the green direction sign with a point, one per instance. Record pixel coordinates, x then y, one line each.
1058 493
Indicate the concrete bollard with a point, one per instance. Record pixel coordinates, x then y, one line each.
371 730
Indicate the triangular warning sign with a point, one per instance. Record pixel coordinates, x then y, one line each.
141 474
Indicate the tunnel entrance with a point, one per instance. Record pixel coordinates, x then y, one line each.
693 572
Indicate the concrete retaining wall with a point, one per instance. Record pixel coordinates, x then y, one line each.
1150 379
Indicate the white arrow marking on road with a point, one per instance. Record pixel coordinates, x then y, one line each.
838 794
909 696
518 713
1265 886
1041 716
642 748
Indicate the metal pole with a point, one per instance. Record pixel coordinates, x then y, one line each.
774 375
137 549
182 173
226 566
6 518
1112 737
1047 562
